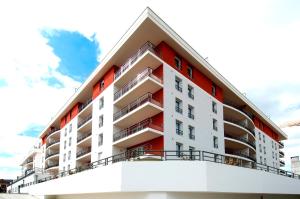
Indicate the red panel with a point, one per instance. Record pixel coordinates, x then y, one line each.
168 55
266 129
44 140
158 72
108 79
158 120
75 110
62 122
159 96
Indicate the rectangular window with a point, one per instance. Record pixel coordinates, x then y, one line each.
215 124
191 132
66 130
260 150
273 154
190 92
178 84
70 141
69 155
215 140
213 90
70 128
177 62
264 150
100 121
191 112
275 146
179 130
272 144
178 105
68 167
214 107
65 144
192 155
259 135
179 148
260 158
64 157
64 168
101 103
99 155
265 161
190 72
264 139
100 139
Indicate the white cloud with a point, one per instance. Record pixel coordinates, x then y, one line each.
241 40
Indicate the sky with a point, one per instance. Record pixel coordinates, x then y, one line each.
48 48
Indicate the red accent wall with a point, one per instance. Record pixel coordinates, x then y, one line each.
159 96
158 120
44 140
265 128
70 115
158 72
168 54
108 78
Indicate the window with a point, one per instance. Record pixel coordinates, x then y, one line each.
179 127
65 144
215 124
69 155
275 146
100 139
260 158
177 62
190 72
191 132
64 168
99 155
100 121
179 147
273 154
215 139
68 167
259 135
70 128
101 103
178 84
66 130
265 161
264 139
213 90
260 150
64 158
178 105
102 85
191 112
214 107
70 141
272 144
264 150
192 149
190 92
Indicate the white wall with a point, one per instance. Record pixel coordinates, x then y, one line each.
204 115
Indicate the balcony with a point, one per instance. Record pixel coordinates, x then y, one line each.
83 123
242 139
140 109
51 166
282 163
138 133
240 154
281 145
83 136
281 154
52 155
52 143
236 116
28 161
53 132
145 56
84 154
84 105
144 82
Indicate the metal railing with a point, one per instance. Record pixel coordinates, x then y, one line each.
281 144
82 106
239 153
281 153
244 140
148 46
190 155
85 120
239 123
147 123
48 155
135 104
48 166
52 131
83 136
233 105
83 152
281 162
140 77
50 143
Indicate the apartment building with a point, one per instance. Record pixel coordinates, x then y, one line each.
154 96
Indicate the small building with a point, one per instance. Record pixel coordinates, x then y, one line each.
4 184
295 164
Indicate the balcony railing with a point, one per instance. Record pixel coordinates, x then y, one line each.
281 153
52 131
242 140
140 77
239 123
82 137
135 104
28 161
147 46
282 162
82 106
238 108
239 153
83 152
82 122
147 123
51 154
281 144
50 143
48 166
